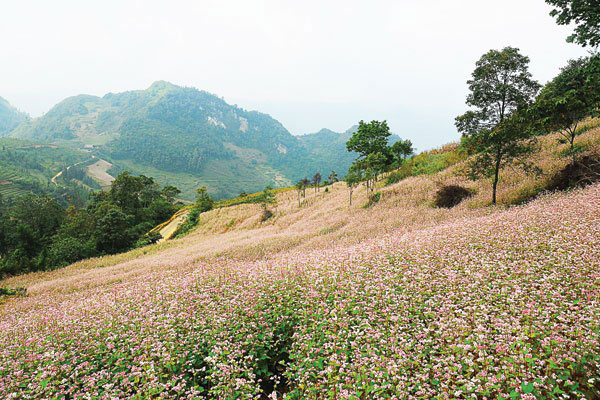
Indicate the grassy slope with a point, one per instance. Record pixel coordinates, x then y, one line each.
400 287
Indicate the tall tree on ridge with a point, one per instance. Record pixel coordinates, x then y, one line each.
571 96
501 85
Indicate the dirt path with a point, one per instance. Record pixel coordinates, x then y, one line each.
168 228
98 171
55 177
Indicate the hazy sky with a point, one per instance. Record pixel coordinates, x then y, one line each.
310 64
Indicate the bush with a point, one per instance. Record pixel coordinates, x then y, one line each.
148 239
426 163
266 214
581 172
449 196
13 292
68 250
190 223
373 199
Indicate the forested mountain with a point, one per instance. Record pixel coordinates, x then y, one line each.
179 130
10 117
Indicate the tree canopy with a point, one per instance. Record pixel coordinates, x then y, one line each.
370 138
585 14
571 96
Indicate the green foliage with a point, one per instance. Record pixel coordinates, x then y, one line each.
67 250
203 201
112 230
267 197
569 98
37 233
401 150
497 130
426 163
333 177
586 16
27 168
190 223
373 199
13 292
370 138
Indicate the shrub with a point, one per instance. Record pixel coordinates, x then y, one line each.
266 214
190 223
449 196
13 292
68 250
148 239
373 199
581 172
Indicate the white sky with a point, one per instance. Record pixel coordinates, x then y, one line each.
310 64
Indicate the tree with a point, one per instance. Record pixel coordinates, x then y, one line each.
353 178
299 188
267 198
492 149
203 200
369 169
333 178
112 233
570 97
586 16
500 86
170 193
402 149
316 180
370 138
305 183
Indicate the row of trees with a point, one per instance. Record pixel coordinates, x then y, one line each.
37 233
315 182
508 112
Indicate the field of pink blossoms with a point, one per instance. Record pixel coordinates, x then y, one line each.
505 305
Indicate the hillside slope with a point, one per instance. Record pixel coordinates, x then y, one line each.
183 132
397 300
29 167
10 117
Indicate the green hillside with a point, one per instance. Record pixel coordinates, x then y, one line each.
27 167
10 117
174 133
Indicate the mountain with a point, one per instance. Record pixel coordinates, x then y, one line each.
10 117
188 137
328 148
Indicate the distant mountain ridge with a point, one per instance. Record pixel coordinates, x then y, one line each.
10 117
181 130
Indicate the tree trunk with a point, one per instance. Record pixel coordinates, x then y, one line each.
350 196
573 132
496 176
